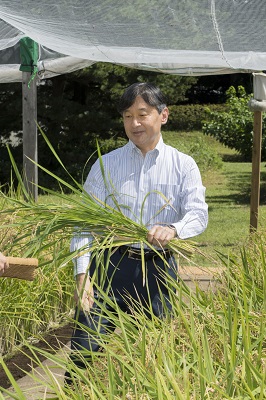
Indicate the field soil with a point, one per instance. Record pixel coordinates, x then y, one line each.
21 362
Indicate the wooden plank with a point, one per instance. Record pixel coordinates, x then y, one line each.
30 142
204 278
192 273
21 268
255 178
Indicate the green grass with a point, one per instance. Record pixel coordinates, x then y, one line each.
228 196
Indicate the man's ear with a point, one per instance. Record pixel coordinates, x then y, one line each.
165 114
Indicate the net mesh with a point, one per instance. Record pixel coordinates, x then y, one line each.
172 36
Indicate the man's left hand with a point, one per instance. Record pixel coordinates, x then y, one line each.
160 235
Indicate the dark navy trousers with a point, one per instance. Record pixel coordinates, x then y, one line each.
123 281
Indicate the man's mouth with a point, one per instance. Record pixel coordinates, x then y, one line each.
137 132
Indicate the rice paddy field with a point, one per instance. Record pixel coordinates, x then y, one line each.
214 345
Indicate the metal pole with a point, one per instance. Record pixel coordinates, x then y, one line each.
30 150
255 178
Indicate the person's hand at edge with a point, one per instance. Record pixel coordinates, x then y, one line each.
3 264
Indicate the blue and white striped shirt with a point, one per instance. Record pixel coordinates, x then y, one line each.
162 188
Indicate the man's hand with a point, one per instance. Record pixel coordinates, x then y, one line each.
83 294
3 264
160 235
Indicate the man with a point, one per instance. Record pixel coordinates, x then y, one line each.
3 264
153 184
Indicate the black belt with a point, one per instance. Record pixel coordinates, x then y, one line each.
135 254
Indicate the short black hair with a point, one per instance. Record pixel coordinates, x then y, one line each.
150 93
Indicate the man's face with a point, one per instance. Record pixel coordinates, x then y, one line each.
143 124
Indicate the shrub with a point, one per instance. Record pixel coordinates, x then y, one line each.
195 146
234 126
190 116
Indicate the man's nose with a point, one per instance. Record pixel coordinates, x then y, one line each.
135 121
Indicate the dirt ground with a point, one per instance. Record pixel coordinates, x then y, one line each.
21 361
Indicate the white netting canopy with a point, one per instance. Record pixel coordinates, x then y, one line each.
186 37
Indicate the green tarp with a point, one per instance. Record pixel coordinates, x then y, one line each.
29 53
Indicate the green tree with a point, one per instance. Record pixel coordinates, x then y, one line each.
234 127
76 109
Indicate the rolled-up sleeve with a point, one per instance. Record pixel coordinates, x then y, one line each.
194 210
82 240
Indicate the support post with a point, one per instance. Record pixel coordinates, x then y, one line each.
255 178
30 149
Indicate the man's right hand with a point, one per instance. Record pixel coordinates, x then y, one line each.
83 294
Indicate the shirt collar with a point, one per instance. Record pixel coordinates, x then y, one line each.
158 148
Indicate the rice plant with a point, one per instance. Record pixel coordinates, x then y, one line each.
211 347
